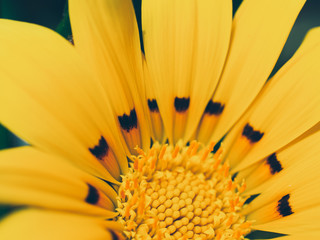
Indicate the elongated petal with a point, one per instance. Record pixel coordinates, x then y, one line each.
285 197
38 224
156 123
292 190
259 31
50 99
185 44
310 235
304 152
300 224
106 35
288 107
31 177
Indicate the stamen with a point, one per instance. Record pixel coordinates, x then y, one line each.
176 192
207 151
193 143
175 152
140 151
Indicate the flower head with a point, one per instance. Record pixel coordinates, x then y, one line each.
229 153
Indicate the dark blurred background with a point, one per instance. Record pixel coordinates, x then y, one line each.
52 14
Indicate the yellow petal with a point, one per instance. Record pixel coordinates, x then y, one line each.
156 123
38 224
31 177
288 106
306 234
259 31
301 224
283 200
106 34
185 45
287 159
298 180
49 97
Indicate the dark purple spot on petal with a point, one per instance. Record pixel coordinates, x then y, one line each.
252 135
274 164
284 207
153 105
181 104
214 108
100 150
114 235
93 195
128 122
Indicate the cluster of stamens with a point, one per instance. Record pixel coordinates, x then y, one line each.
181 193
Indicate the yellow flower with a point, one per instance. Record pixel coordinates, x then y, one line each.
98 103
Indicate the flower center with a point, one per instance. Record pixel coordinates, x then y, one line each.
181 193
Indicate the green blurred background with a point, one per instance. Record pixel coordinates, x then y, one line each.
50 13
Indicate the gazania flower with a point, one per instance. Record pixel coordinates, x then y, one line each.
96 104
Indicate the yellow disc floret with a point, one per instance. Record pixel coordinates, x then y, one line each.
181 193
